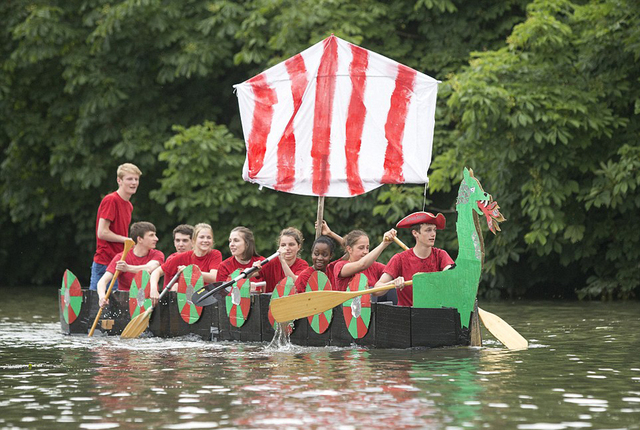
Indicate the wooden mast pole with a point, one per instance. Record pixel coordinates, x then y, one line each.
319 216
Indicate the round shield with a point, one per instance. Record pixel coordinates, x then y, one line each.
284 288
357 311
238 301
70 297
318 281
139 294
190 280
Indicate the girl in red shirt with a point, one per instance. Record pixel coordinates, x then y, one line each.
203 255
358 259
321 252
290 264
243 253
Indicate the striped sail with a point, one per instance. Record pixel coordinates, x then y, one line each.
337 120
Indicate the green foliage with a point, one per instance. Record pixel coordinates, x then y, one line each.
88 84
548 121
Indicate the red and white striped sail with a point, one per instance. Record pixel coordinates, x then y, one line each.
337 120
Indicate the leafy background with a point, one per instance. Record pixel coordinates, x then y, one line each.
541 98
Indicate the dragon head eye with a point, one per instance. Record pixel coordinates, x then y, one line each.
473 189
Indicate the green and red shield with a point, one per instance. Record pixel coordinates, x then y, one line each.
318 281
70 297
238 300
357 311
139 294
284 288
190 280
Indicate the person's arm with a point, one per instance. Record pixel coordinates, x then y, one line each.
385 279
153 282
286 269
352 268
210 277
104 232
149 267
326 231
102 288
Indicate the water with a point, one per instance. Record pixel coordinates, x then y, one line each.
582 370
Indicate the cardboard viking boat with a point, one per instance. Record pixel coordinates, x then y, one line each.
335 120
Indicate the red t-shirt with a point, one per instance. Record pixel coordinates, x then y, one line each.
272 272
125 278
117 210
211 260
407 264
230 265
303 279
331 273
372 272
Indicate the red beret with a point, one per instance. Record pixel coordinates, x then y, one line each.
422 218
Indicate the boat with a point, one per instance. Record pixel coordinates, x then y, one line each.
445 311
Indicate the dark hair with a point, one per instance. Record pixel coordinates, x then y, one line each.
139 229
327 241
183 229
418 227
249 242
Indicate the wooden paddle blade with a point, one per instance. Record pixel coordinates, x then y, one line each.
502 331
303 305
137 325
298 306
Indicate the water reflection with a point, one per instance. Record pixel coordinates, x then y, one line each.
582 371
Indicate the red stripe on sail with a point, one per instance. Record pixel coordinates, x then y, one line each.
323 112
287 145
355 117
394 128
265 97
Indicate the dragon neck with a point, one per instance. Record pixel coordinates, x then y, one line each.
468 229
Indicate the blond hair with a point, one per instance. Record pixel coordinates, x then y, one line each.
125 168
198 228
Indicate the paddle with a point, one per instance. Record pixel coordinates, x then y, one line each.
502 331
302 305
204 297
128 244
506 334
140 323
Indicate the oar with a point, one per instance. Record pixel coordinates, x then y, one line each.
302 305
204 297
140 323
506 334
128 244
499 328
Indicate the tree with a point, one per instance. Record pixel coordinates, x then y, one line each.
551 121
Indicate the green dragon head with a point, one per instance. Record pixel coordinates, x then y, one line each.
484 202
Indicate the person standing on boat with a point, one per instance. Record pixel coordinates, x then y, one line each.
112 221
143 256
423 257
358 259
289 244
243 253
321 253
202 255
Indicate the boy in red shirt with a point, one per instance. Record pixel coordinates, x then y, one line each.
112 221
423 257
143 256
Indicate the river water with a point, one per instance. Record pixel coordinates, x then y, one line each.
582 371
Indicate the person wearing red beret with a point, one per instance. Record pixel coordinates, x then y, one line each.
423 257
